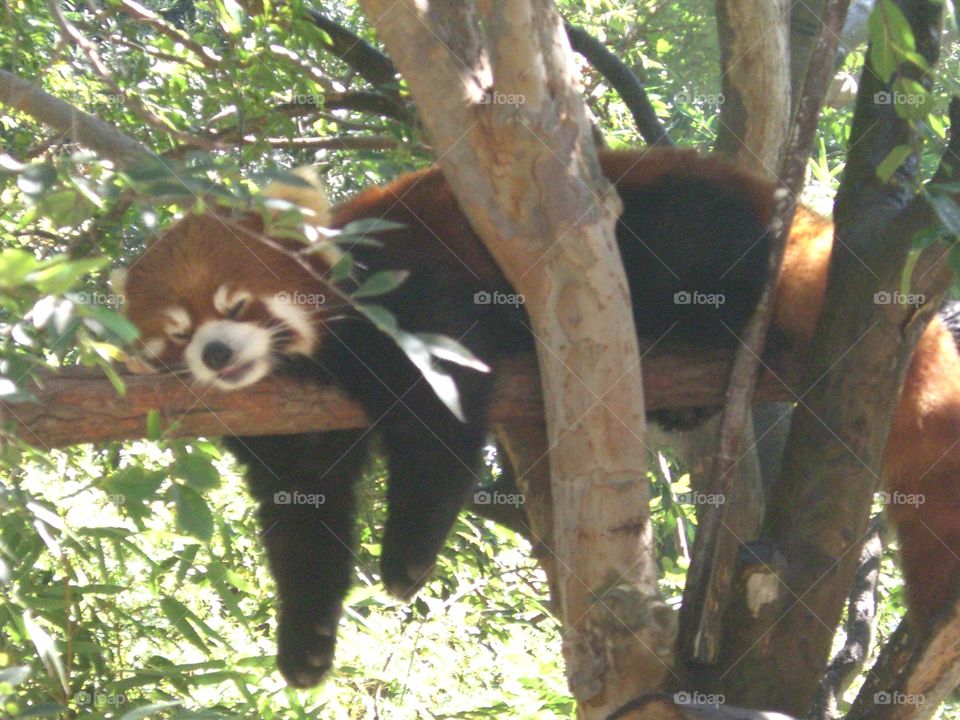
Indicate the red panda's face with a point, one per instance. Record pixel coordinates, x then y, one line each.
211 297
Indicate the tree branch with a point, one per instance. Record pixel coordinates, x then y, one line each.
820 509
712 568
373 66
83 128
141 14
78 406
755 79
861 614
623 80
915 672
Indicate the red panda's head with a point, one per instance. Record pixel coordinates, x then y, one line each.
211 296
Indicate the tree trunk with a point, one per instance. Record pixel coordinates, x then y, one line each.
496 90
755 81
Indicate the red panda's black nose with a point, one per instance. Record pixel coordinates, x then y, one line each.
216 355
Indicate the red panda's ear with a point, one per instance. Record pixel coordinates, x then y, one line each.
310 197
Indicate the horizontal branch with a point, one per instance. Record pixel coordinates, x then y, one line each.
81 406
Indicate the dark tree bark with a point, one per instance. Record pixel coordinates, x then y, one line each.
820 509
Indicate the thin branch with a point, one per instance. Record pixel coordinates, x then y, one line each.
346 142
368 101
708 582
138 12
372 65
135 104
623 80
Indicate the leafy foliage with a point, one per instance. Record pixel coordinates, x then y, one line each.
131 580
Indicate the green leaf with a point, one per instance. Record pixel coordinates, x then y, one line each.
381 283
885 22
116 324
342 269
10 392
15 265
894 159
134 483
56 279
37 179
912 101
442 383
193 514
446 348
366 226
382 318
13 166
47 650
148 710
197 470
177 614
115 380
154 425
230 15
14 675
67 206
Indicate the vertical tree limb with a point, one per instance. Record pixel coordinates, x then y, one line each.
819 513
500 100
712 570
755 81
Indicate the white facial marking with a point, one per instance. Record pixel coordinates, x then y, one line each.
297 317
224 300
250 347
176 320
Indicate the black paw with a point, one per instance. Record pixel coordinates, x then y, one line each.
402 579
305 652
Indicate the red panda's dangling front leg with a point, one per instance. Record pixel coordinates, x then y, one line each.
304 487
434 462
430 480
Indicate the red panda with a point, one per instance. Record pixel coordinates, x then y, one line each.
211 296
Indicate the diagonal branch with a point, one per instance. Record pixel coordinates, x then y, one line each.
623 80
372 65
83 128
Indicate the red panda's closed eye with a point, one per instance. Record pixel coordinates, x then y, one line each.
230 303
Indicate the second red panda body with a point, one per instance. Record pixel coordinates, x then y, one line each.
211 295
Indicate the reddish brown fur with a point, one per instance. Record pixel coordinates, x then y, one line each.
923 455
174 271
923 450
